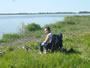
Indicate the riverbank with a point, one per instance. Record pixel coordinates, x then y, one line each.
76 35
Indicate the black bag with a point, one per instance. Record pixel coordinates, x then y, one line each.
56 42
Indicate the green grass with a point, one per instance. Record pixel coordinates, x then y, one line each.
76 35
19 58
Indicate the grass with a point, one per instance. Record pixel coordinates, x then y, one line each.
76 35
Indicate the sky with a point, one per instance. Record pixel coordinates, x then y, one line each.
34 6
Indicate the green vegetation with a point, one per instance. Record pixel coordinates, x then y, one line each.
9 37
84 12
33 27
76 35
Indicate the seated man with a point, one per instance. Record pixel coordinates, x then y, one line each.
47 42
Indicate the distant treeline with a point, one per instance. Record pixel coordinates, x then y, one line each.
57 13
84 12
38 13
44 13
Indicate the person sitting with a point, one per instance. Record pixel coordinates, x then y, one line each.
47 42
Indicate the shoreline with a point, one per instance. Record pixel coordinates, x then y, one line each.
29 13
32 13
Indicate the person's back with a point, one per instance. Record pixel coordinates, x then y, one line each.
50 37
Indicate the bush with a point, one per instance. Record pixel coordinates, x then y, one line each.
71 23
33 27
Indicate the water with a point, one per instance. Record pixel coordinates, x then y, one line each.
12 23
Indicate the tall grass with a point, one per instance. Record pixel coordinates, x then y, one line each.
20 58
10 37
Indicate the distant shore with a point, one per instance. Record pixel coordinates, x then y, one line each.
38 13
81 12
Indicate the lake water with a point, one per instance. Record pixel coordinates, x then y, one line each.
12 23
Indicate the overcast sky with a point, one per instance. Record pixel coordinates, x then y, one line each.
22 6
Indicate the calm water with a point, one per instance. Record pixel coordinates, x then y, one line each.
11 23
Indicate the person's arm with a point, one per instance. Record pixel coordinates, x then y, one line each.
46 39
